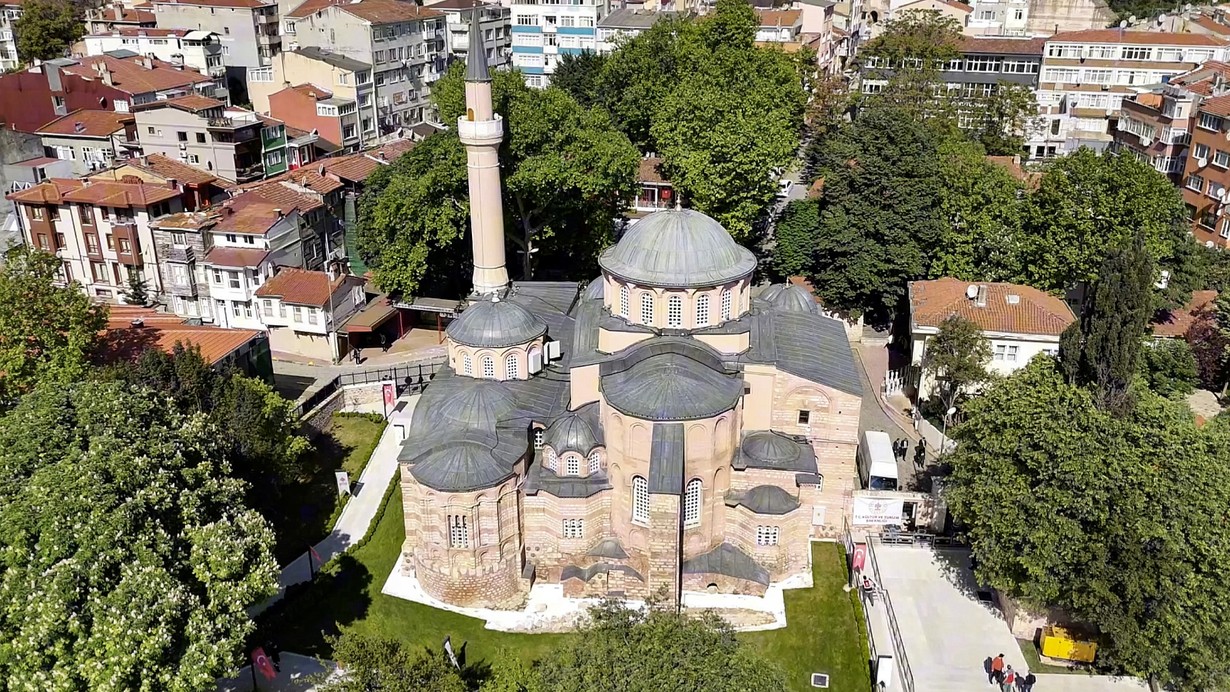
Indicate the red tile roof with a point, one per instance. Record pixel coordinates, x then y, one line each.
1136 38
131 75
388 11
310 7
148 31
651 172
1218 105
170 168
1213 25
124 340
128 15
1179 320
106 193
1003 46
193 103
217 3
776 18
309 89
235 257
304 287
36 161
309 177
1034 312
87 123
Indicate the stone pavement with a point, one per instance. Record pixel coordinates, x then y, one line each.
948 632
358 514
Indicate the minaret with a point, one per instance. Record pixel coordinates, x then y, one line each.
481 130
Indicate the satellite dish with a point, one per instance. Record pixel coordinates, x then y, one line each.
1123 24
971 291
1132 19
1161 19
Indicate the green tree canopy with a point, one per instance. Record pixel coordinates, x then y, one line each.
567 174
47 28
1169 367
375 662
956 359
982 205
48 333
127 556
1114 520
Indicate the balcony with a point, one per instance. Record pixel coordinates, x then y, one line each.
127 244
216 71
267 40
181 255
187 290
480 132
250 173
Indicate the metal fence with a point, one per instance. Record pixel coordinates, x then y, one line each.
894 630
409 377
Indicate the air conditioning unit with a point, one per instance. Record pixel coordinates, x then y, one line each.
553 350
535 361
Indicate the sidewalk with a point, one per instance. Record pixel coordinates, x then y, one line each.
358 514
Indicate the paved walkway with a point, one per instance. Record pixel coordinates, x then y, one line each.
294 676
358 514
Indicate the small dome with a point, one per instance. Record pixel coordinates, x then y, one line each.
570 433
459 467
678 248
478 404
770 448
594 290
794 298
767 499
495 324
771 292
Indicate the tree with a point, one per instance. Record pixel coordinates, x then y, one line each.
1211 348
956 359
376 662
622 649
1102 349
794 236
1170 368
127 557
579 75
1106 518
138 290
46 29
48 333
982 204
567 173
880 212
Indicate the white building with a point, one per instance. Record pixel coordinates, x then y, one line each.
1019 321
192 48
626 23
542 33
496 26
248 29
302 311
10 10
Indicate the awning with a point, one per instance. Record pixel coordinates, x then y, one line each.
367 320
440 306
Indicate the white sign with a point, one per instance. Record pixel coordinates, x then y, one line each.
343 482
875 510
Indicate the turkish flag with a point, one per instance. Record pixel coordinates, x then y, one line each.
860 557
262 664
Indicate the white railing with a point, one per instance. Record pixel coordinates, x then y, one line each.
480 129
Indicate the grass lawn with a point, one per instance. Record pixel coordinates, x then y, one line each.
309 508
825 633
825 630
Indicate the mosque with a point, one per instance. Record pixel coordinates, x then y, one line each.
667 427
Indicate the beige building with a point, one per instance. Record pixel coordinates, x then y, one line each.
1036 17
664 428
344 77
303 310
247 29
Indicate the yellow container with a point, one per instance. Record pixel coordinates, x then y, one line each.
1058 642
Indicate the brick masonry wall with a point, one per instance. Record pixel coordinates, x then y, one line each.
318 419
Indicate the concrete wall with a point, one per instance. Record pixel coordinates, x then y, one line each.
14 146
235 26
1048 17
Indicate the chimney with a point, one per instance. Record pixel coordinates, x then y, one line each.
149 64
278 211
172 183
382 155
119 11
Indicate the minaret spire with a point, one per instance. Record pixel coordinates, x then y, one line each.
481 130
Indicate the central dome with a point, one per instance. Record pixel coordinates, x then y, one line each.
678 248
495 324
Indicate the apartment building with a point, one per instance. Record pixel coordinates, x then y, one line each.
626 23
311 107
191 48
248 29
1206 175
405 44
10 10
317 195
303 310
89 139
541 33
1155 124
1086 75
231 143
1036 18
345 77
778 26
101 230
111 16
34 97
496 23
198 189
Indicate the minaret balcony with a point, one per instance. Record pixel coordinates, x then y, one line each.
480 132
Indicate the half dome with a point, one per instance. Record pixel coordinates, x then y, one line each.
678 248
495 324
594 290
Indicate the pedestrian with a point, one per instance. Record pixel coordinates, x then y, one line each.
1009 682
355 353
384 343
1028 682
996 675
869 590
920 454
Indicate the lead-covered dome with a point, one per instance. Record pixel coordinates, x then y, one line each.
495 324
678 248
794 298
571 433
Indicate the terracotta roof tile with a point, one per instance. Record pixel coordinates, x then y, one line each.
193 103
304 287
235 257
124 341
1003 46
309 177
1179 320
170 168
87 123
777 18
218 3
101 192
307 9
1136 38
355 167
1213 25
50 191
252 212
651 171
1035 312
388 11
147 31
1218 105
132 76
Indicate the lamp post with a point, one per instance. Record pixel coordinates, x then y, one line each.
944 435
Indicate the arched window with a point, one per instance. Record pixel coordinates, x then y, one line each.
674 311
488 367
595 462
625 300
551 459
538 433
574 465
727 304
640 500
702 310
691 503
512 369
467 364
646 308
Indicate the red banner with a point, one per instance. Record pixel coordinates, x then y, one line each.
390 394
262 664
860 557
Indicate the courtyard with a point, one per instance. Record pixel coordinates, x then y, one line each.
824 633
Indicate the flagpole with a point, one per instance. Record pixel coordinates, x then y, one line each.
255 687
311 569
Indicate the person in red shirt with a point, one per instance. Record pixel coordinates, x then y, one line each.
1009 683
996 676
